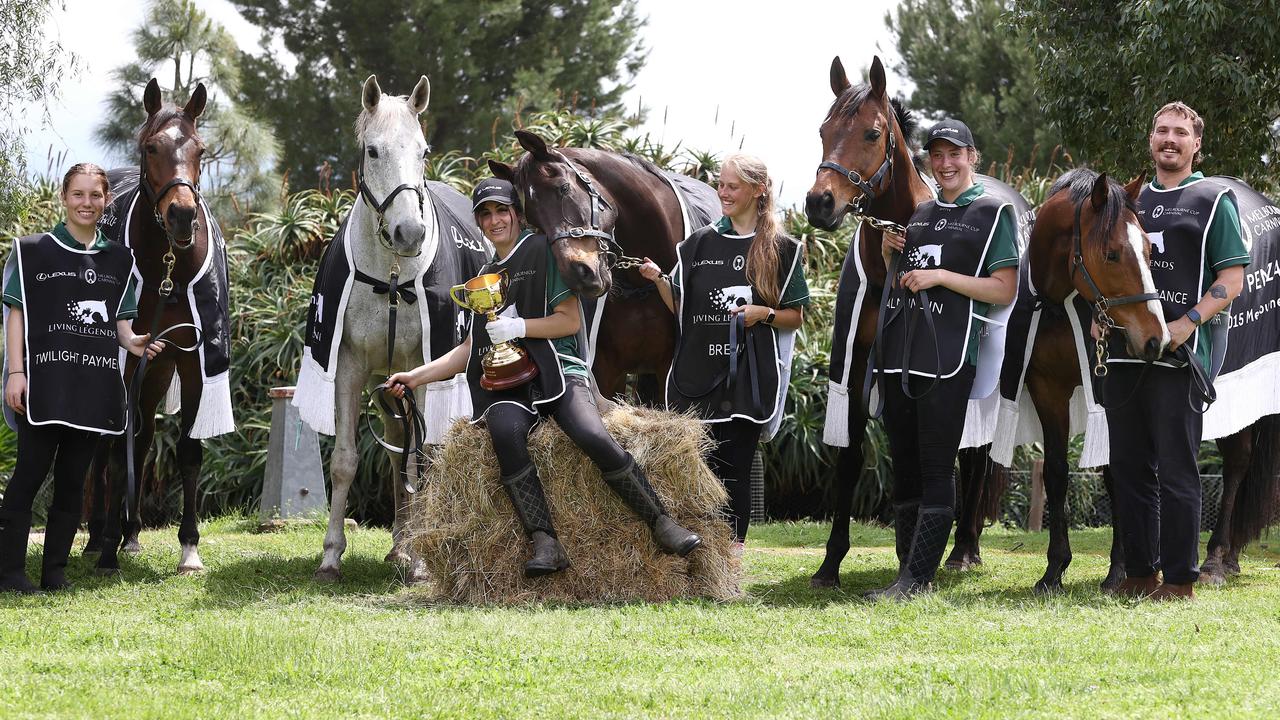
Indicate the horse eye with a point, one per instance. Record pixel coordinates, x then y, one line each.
564 189
373 152
873 135
151 148
1113 256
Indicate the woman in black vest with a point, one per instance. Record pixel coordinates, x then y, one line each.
547 316
69 294
959 257
735 283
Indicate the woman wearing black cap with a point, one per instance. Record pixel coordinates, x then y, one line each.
547 316
959 257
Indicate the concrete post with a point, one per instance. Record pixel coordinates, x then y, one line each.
294 483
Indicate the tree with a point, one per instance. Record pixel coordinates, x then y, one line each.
30 73
1105 68
967 63
179 45
487 60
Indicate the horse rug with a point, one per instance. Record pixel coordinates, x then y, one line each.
462 251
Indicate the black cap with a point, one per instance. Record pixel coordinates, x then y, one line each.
494 190
951 130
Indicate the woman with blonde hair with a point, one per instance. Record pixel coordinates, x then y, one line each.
737 283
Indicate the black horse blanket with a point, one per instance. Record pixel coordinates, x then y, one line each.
207 296
461 252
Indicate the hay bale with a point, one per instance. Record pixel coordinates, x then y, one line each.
473 546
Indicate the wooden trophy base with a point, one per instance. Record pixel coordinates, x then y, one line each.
509 375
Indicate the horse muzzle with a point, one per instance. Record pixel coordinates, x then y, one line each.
181 224
823 211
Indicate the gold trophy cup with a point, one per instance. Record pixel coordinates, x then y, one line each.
506 365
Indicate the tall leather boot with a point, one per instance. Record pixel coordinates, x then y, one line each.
13 552
904 529
632 486
525 491
933 529
59 535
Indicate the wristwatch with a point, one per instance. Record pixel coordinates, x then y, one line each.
772 315
1194 317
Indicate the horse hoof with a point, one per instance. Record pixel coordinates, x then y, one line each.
328 575
822 581
190 569
1215 579
1047 589
133 547
1111 583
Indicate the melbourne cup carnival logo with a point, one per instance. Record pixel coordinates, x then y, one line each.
941 224
90 276
1157 211
739 262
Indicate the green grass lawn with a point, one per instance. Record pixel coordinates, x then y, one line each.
255 637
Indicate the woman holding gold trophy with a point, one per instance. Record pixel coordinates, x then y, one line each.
522 360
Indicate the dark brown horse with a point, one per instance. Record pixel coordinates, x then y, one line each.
167 217
867 133
595 206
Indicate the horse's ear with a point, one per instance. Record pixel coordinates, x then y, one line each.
878 83
372 93
421 95
1134 188
1099 194
151 99
534 145
839 79
502 170
195 106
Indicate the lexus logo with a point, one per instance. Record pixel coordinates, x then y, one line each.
941 224
739 262
1157 211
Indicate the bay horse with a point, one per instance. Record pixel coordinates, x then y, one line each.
595 205
394 230
175 242
866 132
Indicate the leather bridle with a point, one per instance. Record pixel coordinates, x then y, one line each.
870 187
380 208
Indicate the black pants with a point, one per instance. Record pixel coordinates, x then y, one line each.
67 450
730 460
1155 441
576 414
924 436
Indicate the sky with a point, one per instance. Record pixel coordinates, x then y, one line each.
720 75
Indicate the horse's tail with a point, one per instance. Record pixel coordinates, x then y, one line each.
1258 499
997 483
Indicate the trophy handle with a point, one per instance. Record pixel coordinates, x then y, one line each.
453 293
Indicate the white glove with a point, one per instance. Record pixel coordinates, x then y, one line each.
504 329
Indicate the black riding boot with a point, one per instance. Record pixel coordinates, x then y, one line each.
933 529
59 535
13 552
904 529
630 484
530 504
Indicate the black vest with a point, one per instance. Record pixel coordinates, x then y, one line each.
713 278
70 299
1177 222
948 237
526 269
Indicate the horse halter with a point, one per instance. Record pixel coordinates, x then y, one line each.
1100 302
380 208
868 186
604 238
155 196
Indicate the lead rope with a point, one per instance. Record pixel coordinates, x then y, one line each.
403 410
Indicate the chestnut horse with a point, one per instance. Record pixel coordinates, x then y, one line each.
167 220
595 206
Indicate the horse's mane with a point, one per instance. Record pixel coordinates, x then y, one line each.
850 101
1078 183
385 117
162 117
